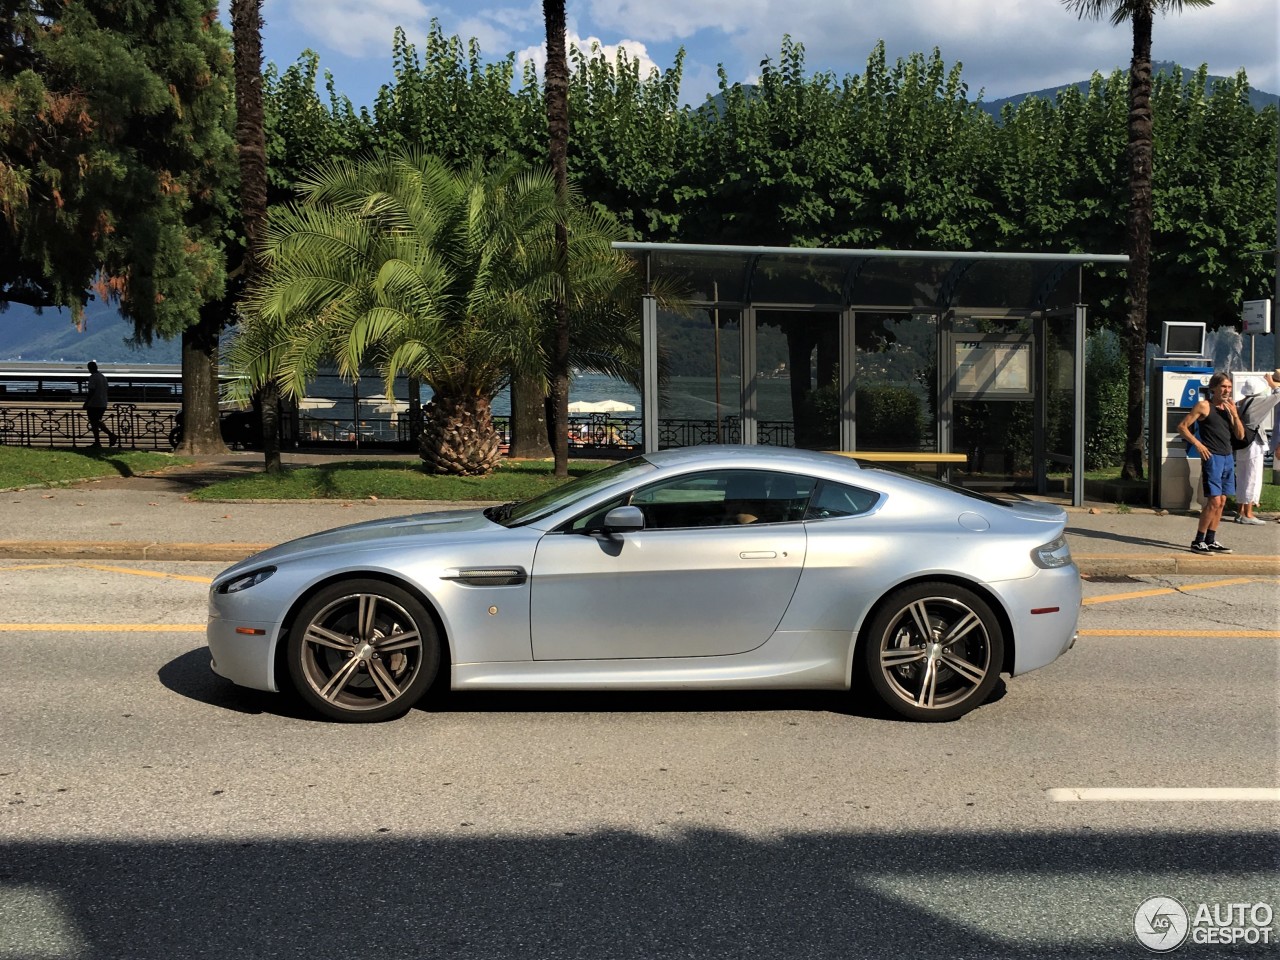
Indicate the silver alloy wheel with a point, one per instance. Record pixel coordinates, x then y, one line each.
935 653
361 652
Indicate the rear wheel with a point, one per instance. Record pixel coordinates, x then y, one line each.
362 651
933 652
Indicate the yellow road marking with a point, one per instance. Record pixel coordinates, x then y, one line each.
1163 591
131 571
145 573
102 628
1209 634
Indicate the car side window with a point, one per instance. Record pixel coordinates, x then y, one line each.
715 498
839 500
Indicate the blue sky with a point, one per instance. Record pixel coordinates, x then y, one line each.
1006 46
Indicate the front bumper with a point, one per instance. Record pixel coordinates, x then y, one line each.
244 659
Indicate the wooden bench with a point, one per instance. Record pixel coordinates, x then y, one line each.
942 461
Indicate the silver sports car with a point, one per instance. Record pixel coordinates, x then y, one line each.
704 567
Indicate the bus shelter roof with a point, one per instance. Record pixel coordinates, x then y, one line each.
814 277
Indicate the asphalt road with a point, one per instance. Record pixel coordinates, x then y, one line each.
154 811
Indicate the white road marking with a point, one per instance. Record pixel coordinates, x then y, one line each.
1163 794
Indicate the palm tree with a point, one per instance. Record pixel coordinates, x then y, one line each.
401 263
557 94
1141 13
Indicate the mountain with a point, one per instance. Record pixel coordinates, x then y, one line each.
51 337
1258 99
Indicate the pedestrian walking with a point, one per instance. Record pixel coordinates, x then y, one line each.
1216 421
1255 407
95 406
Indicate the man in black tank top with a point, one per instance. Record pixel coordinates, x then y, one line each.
1218 422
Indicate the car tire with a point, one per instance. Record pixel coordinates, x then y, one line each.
933 652
361 651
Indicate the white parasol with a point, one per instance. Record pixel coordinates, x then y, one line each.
600 406
315 403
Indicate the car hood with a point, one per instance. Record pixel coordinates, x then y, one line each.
443 527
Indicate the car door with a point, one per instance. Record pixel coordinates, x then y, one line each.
711 574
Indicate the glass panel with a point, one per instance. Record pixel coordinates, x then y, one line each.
895 381
705 276
799 279
1060 388
700 390
798 383
964 323
996 435
994 284
893 282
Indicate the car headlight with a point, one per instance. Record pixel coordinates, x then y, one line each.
244 582
1051 555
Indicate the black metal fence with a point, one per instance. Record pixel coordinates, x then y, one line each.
142 426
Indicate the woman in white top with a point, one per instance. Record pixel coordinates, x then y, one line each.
1255 409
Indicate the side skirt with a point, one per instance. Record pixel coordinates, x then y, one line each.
789 661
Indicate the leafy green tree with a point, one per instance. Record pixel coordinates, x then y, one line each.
633 142
117 166
401 263
1214 197
1141 15
300 130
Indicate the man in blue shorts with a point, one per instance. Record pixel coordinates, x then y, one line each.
1218 422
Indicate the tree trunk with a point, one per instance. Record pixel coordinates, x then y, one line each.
529 435
1138 237
201 433
557 94
458 437
246 26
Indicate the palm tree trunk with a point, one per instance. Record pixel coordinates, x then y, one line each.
458 437
529 437
558 127
1138 236
246 26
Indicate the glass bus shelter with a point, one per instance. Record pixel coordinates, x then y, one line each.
883 351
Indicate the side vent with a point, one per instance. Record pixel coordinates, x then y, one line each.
488 576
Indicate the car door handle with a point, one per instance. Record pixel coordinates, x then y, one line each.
758 554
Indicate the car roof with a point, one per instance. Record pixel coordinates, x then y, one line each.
744 456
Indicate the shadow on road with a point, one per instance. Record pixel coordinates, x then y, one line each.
700 893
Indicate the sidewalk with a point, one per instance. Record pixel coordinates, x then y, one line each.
149 518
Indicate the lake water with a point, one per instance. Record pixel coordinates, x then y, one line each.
684 398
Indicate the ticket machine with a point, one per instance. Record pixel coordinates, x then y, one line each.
1174 467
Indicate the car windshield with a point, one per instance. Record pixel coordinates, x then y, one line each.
545 504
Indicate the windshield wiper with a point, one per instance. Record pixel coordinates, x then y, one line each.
502 513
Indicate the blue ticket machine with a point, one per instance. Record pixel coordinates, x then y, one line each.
1173 466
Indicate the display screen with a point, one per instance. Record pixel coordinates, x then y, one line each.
1183 339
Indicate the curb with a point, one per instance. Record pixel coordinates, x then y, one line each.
1090 565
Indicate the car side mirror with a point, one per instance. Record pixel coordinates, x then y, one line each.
623 520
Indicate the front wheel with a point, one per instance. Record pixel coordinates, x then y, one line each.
933 652
363 651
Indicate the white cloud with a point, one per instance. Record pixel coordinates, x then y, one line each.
357 28
593 46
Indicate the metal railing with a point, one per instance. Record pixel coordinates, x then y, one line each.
141 426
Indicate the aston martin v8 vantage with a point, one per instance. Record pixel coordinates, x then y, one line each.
698 568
